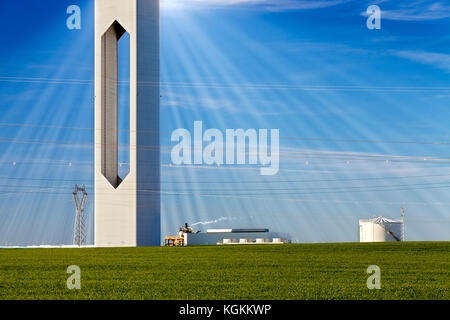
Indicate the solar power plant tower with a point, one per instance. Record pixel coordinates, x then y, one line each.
126 214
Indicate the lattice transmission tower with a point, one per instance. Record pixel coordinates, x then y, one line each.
79 230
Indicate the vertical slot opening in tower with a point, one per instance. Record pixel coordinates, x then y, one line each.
115 114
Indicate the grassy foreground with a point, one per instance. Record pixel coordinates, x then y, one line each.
414 270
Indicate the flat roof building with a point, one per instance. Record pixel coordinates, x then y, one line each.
234 236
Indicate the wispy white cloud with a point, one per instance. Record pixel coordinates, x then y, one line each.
259 108
437 60
186 101
272 5
409 11
416 11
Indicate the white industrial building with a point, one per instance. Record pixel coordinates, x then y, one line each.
234 237
381 230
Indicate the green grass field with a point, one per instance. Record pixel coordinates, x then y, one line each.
414 270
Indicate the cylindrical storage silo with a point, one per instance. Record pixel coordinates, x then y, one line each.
380 230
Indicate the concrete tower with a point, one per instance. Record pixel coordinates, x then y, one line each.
127 209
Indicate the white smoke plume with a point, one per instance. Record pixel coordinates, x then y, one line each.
209 222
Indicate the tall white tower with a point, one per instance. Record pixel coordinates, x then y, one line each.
127 210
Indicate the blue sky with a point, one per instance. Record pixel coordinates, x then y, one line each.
363 115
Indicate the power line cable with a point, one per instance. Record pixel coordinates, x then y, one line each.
246 181
5 124
229 85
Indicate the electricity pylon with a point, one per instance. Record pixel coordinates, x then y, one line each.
79 230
